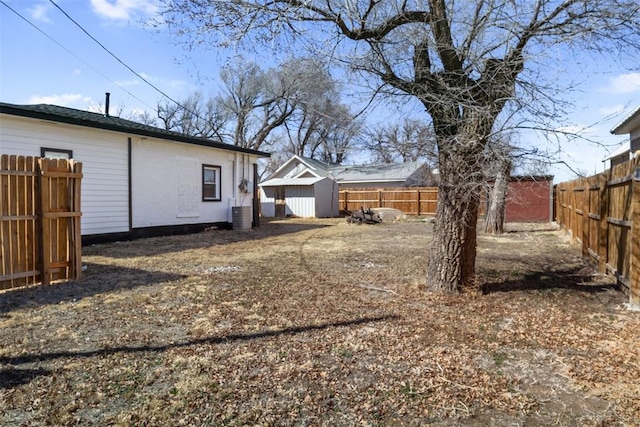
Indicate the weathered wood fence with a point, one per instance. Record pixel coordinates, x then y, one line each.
602 212
40 237
410 200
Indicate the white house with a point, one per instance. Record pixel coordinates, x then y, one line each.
138 180
630 125
310 188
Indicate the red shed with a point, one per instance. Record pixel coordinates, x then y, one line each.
530 199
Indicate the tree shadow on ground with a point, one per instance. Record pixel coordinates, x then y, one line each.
571 279
11 377
98 279
39 357
152 246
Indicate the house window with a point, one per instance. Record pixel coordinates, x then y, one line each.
210 183
55 153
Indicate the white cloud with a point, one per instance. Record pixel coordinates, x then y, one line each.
39 12
64 100
124 9
624 84
77 72
126 83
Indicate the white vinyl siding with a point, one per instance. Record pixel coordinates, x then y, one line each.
326 196
103 155
166 176
268 202
167 183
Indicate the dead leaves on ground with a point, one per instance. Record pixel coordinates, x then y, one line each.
319 323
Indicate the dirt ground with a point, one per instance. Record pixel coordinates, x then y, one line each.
318 322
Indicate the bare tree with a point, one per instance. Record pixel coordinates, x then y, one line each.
194 116
502 156
407 141
321 126
494 221
258 102
143 117
462 60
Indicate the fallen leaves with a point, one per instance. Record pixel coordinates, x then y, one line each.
273 327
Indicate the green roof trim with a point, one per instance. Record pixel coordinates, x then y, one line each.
88 119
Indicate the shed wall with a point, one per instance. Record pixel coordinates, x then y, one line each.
268 202
326 197
300 201
529 201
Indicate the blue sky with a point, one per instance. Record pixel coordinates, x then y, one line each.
76 72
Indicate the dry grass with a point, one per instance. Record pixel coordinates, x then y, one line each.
316 322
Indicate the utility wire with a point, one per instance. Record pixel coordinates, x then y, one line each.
71 53
119 60
194 113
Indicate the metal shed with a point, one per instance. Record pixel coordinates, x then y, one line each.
304 197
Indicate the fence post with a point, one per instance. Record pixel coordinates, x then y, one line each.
76 241
603 230
45 224
584 183
634 280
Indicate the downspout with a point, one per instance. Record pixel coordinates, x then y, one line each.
256 197
129 183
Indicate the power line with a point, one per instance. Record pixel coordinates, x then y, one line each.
71 53
127 66
118 59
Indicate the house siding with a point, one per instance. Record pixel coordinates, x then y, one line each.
167 183
103 155
166 176
635 142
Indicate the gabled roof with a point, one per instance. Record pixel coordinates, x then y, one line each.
301 167
278 182
628 123
88 119
623 149
380 172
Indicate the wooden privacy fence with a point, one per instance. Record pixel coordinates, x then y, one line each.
39 220
602 212
410 200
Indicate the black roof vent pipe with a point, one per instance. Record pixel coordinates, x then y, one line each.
106 104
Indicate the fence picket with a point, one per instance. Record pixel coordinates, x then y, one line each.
611 221
40 220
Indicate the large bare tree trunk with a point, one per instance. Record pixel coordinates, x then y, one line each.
494 222
452 254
